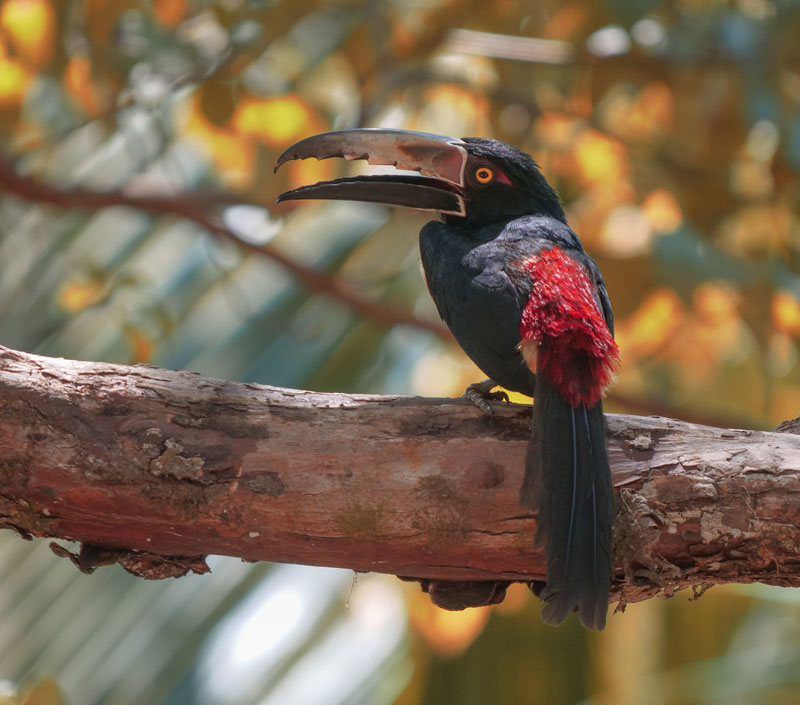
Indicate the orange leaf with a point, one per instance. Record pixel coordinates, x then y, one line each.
786 313
655 109
78 82
169 12
308 171
715 304
565 22
233 155
651 325
42 692
558 130
643 116
99 18
403 40
141 347
785 402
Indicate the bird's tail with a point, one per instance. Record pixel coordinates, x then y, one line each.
567 479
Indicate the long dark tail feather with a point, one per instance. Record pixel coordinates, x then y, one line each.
567 479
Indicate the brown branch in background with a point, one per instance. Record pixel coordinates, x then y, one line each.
155 469
204 208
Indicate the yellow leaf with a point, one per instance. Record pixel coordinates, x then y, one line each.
600 158
308 171
14 79
78 296
275 121
30 26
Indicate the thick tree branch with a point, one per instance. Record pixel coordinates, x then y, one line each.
157 469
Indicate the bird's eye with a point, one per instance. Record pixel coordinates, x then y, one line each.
484 175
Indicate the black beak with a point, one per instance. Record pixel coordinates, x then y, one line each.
440 160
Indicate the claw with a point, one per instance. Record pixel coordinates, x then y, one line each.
480 394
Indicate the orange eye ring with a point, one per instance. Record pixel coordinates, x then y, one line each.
484 175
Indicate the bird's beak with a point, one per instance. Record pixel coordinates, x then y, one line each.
440 160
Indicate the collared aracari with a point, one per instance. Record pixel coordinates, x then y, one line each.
529 307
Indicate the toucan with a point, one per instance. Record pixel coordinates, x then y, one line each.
527 304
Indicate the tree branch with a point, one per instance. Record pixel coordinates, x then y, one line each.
204 208
156 469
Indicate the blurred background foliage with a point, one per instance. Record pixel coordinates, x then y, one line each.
671 130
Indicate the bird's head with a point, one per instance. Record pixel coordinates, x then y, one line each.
472 180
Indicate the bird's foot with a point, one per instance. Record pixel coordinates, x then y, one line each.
480 394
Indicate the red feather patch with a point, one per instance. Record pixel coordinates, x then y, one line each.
563 329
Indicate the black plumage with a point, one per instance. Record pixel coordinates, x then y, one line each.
512 282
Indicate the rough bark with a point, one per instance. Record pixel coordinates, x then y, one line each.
156 469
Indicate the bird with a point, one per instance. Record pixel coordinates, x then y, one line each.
513 283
